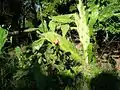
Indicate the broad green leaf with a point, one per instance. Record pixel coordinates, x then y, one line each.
37 44
43 27
3 37
64 44
52 25
65 29
68 18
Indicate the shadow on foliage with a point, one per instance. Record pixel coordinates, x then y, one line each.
105 81
52 81
37 79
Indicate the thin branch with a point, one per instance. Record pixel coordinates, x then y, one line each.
25 31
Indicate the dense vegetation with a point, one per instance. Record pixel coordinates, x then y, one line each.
59 44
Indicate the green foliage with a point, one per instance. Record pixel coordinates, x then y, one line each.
48 8
60 42
105 11
18 52
84 29
38 44
54 53
43 27
55 7
64 44
65 29
7 69
24 56
63 18
62 22
3 37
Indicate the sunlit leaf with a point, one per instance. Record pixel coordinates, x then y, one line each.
43 27
37 44
3 37
64 44
52 25
68 18
65 29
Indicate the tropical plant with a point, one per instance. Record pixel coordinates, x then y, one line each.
85 31
55 54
